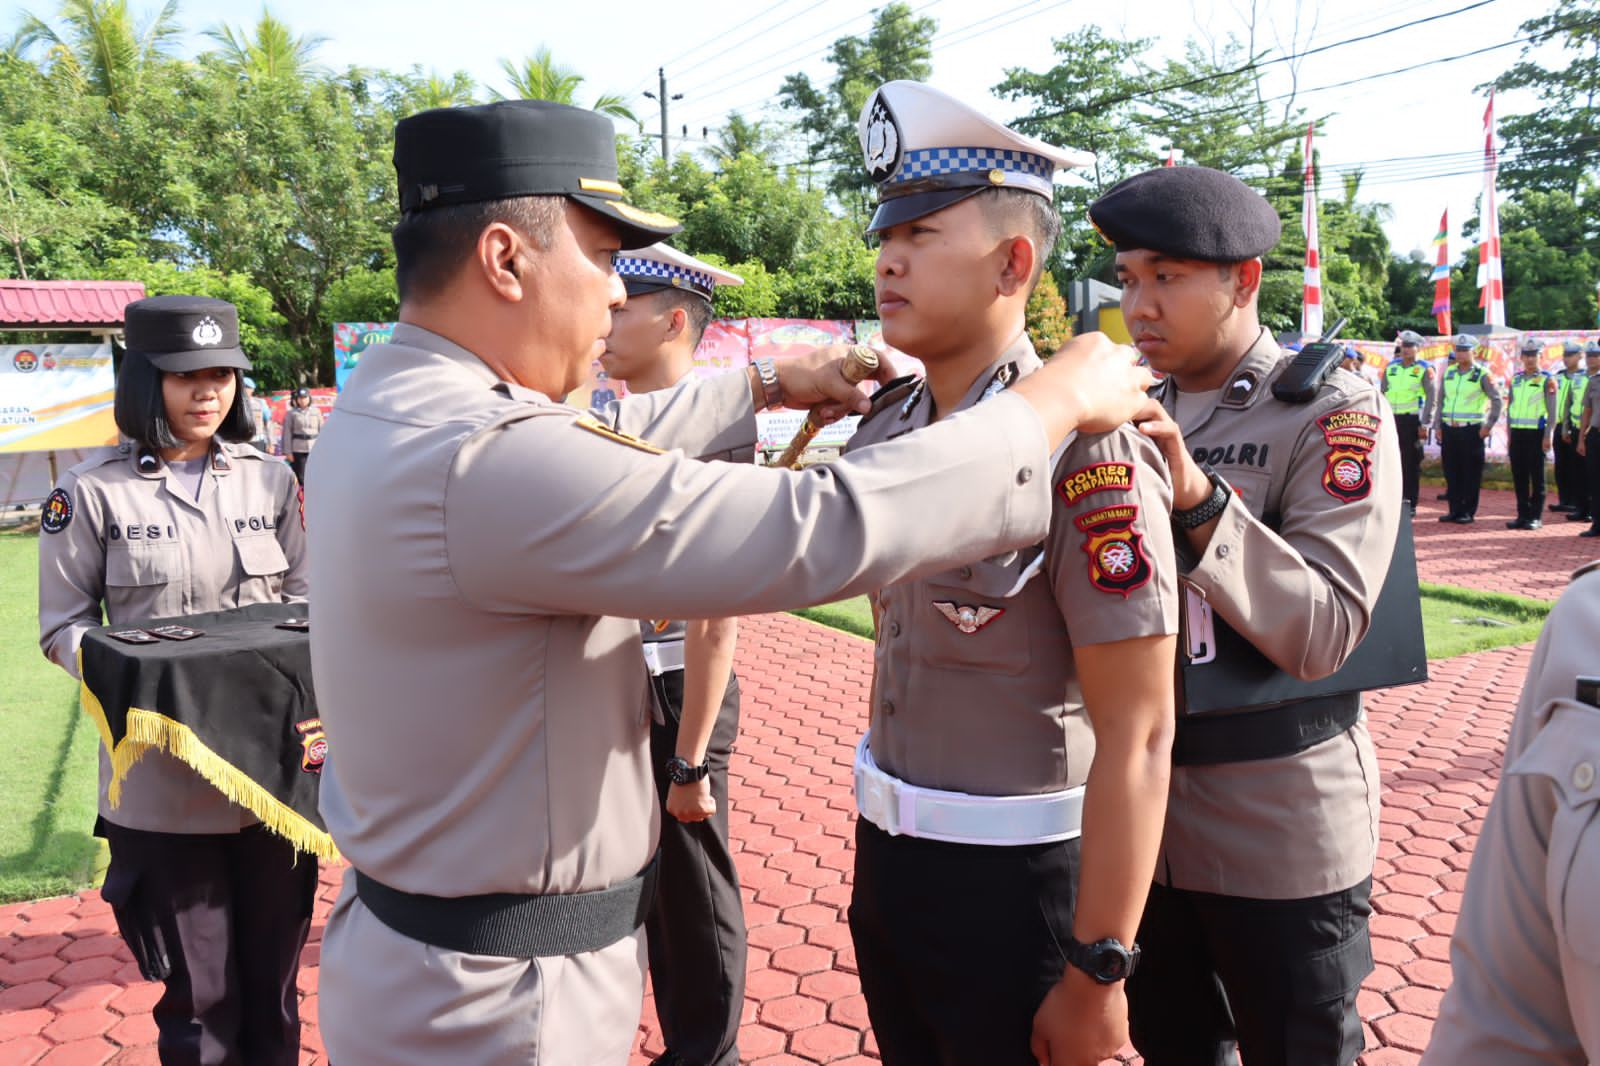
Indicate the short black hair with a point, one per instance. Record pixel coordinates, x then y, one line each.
140 407
696 309
430 246
1032 215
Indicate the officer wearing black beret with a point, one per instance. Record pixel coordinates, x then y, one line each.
489 550
1255 934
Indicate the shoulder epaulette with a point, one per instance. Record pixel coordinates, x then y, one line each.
889 394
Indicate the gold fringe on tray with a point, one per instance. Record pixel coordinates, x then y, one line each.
148 729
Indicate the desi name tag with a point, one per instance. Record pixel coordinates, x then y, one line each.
133 636
176 632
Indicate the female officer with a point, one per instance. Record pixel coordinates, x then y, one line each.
183 520
302 424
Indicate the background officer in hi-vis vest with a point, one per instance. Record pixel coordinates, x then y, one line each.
1572 486
1469 406
1408 385
1589 436
1531 416
695 930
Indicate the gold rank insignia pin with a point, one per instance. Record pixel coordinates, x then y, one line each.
600 429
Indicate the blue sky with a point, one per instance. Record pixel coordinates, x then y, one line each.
720 65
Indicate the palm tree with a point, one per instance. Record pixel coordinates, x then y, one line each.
434 90
740 135
540 77
101 46
274 52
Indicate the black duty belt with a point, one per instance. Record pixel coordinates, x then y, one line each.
512 924
1269 733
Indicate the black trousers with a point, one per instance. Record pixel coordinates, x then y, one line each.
957 944
1526 449
297 462
1273 981
1462 454
1407 427
1570 487
221 918
1591 465
695 931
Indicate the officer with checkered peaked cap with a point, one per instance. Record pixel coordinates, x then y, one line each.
926 151
1469 405
1572 489
1408 385
661 266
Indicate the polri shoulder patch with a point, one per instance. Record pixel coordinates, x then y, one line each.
56 514
1100 477
1117 559
600 429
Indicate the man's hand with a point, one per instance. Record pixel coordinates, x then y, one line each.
1080 1023
816 380
1422 434
1091 385
1190 486
1547 442
691 803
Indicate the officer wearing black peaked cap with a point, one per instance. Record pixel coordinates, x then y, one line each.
1255 934
487 552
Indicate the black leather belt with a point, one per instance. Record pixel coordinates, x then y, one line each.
1270 733
515 925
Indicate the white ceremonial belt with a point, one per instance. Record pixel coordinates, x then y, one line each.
663 656
903 809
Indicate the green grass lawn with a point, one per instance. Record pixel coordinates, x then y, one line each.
47 778
1454 621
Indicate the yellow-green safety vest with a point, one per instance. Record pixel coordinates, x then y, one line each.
1527 400
1403 386
1569 401
1465 402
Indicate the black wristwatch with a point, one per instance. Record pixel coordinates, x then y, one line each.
682 772
1210 507
1107 961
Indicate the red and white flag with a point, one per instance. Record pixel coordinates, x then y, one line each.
1311 307
1491 281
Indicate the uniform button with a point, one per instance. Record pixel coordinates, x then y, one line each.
1583 776
894 629
1024 475
888 707
1222 551
966 573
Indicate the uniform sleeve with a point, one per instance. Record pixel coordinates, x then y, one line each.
291 527
1303 595
1491 389
1510 1003
705 418
72 576
1551 389
287 443
1110 554
1430 396
547 515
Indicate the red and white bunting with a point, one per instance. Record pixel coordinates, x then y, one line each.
1311 307
1491 280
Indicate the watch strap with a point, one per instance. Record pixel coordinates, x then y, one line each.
1210 507
772 392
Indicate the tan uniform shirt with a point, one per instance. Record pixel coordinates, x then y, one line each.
301 428
1306 824
141 544
974 686
1525 957
481 553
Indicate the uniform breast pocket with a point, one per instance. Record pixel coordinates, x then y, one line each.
1251 486
143 565
261 555
1566 756
973 617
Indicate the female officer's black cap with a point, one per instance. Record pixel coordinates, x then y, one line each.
1187 213
183 333
464 155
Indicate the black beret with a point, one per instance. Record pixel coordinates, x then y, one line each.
464 155
1187 213
183 333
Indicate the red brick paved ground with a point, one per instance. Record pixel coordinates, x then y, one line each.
70 994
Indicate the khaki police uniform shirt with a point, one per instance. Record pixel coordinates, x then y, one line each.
482 554
1525 956
974 686
141 544
1302 594
301 427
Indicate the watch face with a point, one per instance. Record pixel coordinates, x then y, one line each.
1110 965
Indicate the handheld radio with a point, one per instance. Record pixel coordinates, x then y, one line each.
1307 371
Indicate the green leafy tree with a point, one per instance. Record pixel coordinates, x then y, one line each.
1048 323
101 46
1408 294
1553 146
899 45
756 298
738 137
362 295
540 77
833 280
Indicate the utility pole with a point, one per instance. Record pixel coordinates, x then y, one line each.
662 99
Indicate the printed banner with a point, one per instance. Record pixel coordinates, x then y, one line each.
55 397
350 339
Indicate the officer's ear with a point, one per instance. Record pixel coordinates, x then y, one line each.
498 257
1016 272
677 322
1246 282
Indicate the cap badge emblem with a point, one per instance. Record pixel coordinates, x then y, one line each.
208 334
883 141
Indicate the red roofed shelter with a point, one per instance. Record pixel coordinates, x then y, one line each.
55 395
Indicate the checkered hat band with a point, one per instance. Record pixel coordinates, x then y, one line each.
922 163
654 270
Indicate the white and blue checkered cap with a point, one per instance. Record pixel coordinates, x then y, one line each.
663 266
